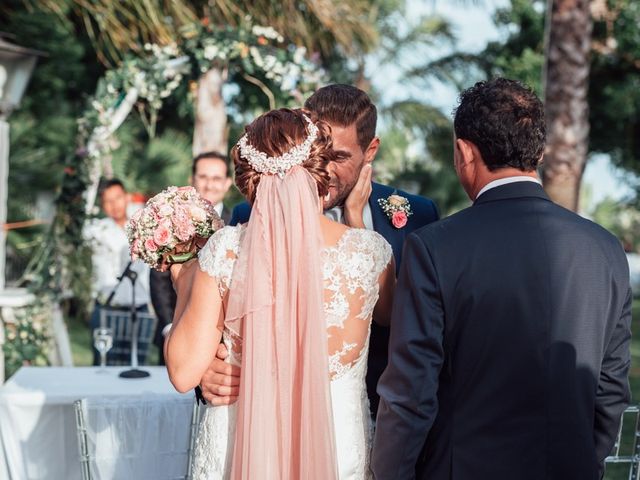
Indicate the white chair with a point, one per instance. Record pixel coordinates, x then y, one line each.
626 450
150 437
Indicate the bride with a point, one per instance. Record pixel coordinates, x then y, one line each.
292 295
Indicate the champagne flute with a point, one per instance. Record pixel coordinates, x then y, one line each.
103 341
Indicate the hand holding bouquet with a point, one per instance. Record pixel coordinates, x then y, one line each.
172 227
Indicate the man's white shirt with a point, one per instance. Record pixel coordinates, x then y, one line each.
337 215
218 208
506 181
110 248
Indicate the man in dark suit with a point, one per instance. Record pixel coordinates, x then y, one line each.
210 176
510 336
354 202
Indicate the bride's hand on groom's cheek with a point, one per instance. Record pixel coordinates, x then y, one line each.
221 382
358 198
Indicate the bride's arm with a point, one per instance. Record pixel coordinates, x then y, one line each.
387 285
198 324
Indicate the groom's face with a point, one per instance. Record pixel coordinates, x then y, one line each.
345 170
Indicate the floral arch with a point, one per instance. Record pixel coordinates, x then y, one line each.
61 265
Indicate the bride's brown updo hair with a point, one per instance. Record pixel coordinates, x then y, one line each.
276 132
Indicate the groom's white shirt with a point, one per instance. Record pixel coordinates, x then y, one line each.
507 180
337 215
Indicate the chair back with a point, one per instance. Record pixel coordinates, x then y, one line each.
120 322
624 461
142 438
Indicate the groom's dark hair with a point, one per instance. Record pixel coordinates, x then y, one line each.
345 105
505 120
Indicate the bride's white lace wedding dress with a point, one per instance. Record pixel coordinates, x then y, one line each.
351 271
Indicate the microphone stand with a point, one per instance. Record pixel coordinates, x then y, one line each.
133 372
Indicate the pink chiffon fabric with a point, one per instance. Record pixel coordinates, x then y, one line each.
285 425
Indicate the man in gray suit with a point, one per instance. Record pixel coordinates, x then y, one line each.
510 334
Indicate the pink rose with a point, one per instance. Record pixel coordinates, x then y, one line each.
150 245
399 219
135 218
157 216
185 231
161 236
135 250
181 220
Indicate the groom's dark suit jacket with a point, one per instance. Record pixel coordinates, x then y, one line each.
424 212
509 345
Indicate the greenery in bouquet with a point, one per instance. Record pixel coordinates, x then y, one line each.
27 340
172 227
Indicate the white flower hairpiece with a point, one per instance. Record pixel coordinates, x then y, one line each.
278 165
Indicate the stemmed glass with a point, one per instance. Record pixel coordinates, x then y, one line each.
103 341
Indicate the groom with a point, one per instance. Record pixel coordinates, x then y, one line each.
510 335
354 202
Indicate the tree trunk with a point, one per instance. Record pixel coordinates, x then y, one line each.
566 80
210 132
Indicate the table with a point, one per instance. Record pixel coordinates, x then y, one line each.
37 422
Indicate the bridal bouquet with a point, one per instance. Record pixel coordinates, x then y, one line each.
172 227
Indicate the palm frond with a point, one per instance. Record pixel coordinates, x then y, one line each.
320 25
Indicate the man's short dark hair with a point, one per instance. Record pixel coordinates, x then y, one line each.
345 105
105 184
214 155
505 120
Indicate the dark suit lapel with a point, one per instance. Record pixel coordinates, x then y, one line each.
226 215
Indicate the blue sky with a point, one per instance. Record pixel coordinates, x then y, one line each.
473 27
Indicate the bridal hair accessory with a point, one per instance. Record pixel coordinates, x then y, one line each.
397 209
278 165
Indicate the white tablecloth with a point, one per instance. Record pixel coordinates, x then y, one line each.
37 422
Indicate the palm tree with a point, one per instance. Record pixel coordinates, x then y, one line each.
566 84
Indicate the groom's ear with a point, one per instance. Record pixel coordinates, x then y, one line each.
372 150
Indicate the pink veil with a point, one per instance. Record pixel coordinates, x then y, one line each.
285 423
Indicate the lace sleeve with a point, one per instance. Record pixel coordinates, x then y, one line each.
218 256
382 254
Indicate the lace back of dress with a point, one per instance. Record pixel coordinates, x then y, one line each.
351 273
351 270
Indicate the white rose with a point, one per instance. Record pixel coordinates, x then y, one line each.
197 214
166 210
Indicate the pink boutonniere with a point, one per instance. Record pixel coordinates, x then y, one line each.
397 209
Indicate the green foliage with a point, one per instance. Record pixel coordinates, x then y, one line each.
614 87
416 142
622 219
44 126
152 164
614 92
417 151
27 340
